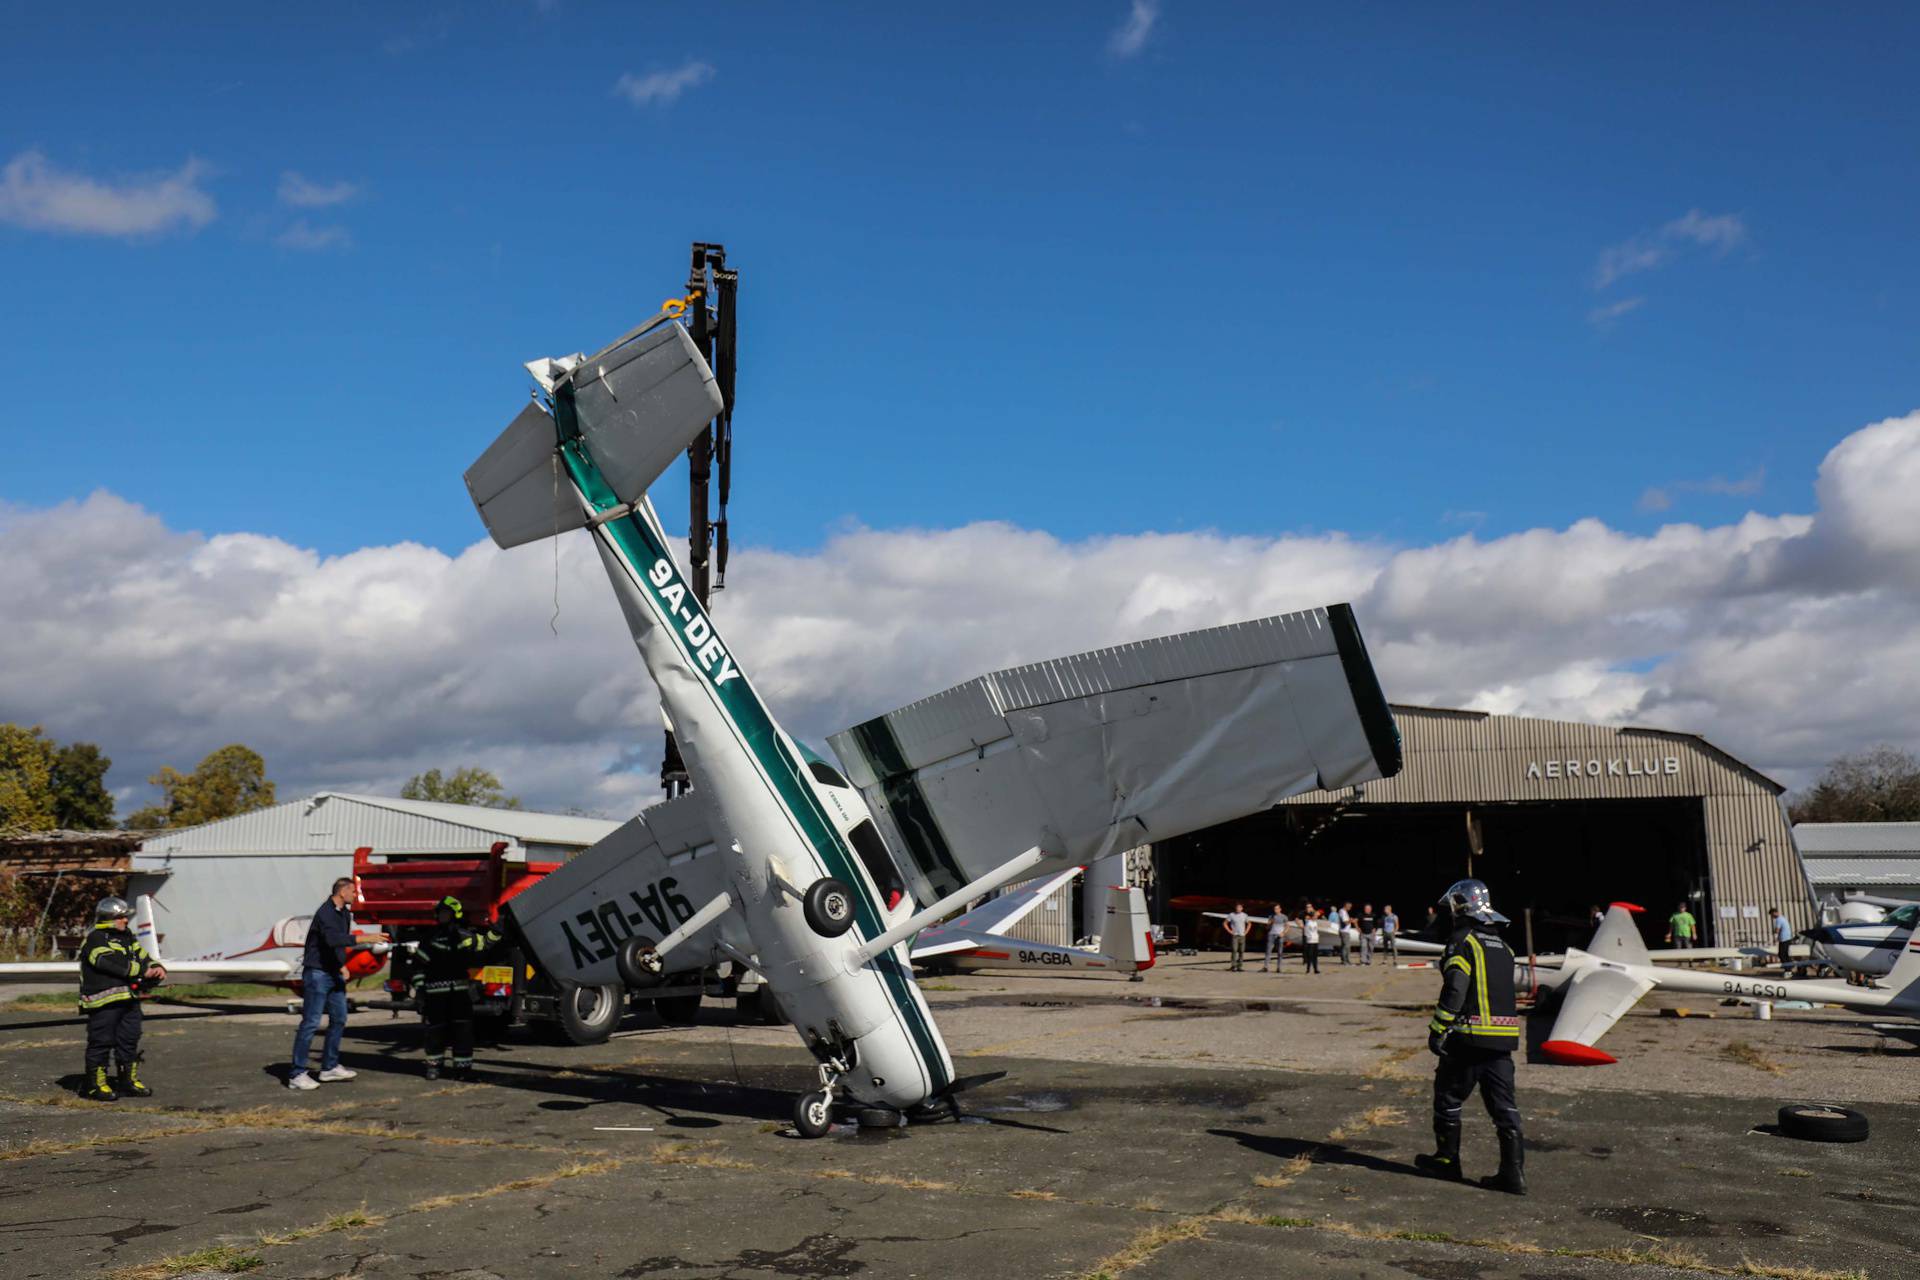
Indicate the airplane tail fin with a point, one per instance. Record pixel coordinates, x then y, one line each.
1128 937
1618 937
1904 980
635 405
143 925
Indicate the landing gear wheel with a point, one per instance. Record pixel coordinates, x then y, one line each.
1815 1123
677 1011
828 907
813 1114
589 1014
879 1118
638 963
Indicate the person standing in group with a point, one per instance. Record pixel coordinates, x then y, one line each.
1310 938
1366 934
1276 939
114 971
1343 921
1431 932
1238 922
444 991
1389 931
323 988
1474 1031
1681 927
1599 916
1783 934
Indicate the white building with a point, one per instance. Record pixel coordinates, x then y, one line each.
1880 858
215 882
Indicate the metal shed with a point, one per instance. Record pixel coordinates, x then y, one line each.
1881 858
1555 815
214 882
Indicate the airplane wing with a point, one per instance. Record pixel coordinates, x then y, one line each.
993 917
1105 751
1592 1002
646 878
26 971
1252 920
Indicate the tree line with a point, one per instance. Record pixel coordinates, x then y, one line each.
45 786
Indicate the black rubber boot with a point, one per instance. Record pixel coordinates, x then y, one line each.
100 1090
128 1085
1444 1163
1512 1177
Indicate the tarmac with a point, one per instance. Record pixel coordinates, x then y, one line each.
1197 1123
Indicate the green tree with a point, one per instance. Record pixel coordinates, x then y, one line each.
229 781
81 801
1881 784
26 779
464 786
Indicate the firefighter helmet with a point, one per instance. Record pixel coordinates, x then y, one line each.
111 907
1470 898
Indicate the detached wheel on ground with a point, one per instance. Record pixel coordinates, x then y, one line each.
828 906
588 1015
1814 1122
813 1114
677 1011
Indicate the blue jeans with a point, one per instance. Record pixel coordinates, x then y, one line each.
323 992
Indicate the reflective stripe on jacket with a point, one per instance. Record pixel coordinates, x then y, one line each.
1476 995
112 962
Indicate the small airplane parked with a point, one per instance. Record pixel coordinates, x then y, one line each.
1599 984
976 940
271 956
1868 947
780 863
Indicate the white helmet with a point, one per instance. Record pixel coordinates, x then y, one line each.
111 908
1470 898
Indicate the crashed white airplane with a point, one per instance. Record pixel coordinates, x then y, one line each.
780 863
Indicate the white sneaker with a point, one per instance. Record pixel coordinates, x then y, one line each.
301 1080
334 1075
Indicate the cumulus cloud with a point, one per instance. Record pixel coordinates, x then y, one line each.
304 193
40 197
309 238
1785 638
663 86
1131 36
1716 233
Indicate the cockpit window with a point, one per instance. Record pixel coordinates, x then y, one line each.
1905 917
826 774
872 851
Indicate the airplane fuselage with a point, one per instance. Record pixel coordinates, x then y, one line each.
785 828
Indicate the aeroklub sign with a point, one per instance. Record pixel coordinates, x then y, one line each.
1617 767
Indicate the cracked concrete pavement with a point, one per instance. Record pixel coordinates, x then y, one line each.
1241 1124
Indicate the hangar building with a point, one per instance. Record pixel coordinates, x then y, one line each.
1555 816
215 882
1879 858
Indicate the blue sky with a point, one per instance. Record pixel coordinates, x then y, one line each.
1261 271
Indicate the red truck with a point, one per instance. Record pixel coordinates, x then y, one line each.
398 892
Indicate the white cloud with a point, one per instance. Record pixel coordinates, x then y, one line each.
309 238
1693 229
1787 639
37 196
304 193
663 86
1131 36
1660 498
1604 317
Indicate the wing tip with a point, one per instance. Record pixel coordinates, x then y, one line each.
1571 1053
1629 906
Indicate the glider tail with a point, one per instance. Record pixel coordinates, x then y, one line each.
1128 938
1618 937
634 406
1904 981
143 926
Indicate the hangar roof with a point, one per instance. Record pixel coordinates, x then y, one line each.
334 822
1841 839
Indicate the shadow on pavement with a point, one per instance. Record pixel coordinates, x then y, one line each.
1321 1152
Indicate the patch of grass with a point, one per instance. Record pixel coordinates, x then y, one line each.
1794 1173
1288 1172
1747 1056
578 1169
344 1221
1034 1195
1145 1245
880 1179
219 991
1278 1221
46 1000
941 986
1371 1118
701 1155
220 1257
1388 1068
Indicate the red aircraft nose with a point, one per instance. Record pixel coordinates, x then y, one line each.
1571 1053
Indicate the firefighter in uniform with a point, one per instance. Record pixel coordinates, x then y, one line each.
1474 1031
115 971
442 987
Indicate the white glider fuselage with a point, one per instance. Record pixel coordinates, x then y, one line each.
782 828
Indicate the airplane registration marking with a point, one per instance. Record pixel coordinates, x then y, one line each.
609 924
1772 990
705 647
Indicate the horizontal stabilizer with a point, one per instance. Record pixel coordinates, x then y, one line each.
517 486
1590 1004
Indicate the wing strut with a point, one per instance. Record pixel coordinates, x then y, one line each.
652 961
966 893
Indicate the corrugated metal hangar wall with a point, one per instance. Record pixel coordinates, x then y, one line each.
1559 811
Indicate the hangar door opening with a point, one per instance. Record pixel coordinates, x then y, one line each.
1559 858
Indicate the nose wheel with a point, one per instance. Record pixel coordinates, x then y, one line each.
813 1113
828 907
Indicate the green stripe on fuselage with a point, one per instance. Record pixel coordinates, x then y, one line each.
757 731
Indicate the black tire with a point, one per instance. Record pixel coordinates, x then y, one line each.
677 1011
813 1114
1813 1122
628 961
879 1118
829 907
589 1014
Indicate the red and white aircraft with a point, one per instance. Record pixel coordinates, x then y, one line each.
977 940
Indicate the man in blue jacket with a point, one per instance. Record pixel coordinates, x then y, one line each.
323 984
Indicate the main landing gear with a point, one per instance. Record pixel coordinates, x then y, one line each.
828 907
